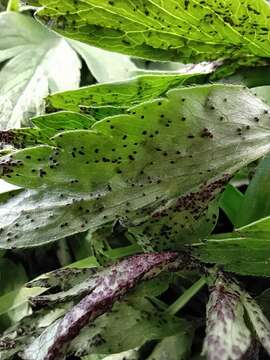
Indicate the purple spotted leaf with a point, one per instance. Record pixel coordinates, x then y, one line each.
258 320
227 335
110 286
157 169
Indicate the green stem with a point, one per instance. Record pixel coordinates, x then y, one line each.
186 296
13 5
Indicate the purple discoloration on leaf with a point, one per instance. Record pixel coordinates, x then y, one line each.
259 321
110 286
227 337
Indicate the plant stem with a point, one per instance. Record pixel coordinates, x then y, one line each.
13 5
186 296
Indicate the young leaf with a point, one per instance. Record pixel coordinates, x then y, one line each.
245 251
150 167
187 31
38 62
227 336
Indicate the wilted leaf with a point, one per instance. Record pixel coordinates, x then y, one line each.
38 62
186 31
161 165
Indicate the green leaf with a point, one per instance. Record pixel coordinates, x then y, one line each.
38 61
187 31
176 347
63 120
230 202
227 336
47 126
102 100
105 66
256 202
262 92
245 251
149 168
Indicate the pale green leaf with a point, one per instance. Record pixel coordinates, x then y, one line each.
174 153
105 66
38 62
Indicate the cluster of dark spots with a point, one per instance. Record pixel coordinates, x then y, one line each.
42 172
256 119
7 164
206 133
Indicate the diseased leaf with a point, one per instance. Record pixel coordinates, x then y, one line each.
38 61
103 100
46 127
187 31
158 167
112 284
245 251
227 336
258 320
